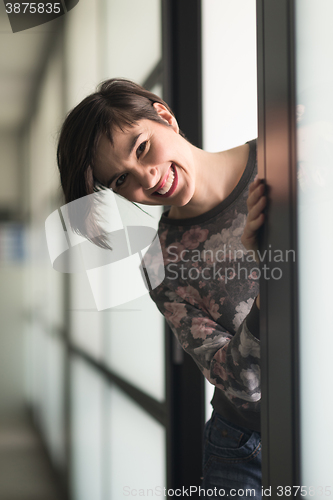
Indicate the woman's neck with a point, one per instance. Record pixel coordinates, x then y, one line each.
217 174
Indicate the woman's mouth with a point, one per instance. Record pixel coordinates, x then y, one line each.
169 185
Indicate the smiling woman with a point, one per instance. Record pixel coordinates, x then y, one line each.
127 139
138 160
117 106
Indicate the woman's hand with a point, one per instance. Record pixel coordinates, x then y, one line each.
256 202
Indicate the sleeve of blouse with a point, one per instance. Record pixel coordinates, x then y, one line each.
231 362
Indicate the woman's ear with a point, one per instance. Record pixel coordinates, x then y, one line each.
165 114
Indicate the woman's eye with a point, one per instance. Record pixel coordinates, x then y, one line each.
121 180
141 148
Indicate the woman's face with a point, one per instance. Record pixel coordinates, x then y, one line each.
149 163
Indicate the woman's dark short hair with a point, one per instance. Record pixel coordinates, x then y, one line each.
117 104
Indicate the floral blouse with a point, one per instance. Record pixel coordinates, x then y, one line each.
207 297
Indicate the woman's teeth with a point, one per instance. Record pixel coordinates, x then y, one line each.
168 183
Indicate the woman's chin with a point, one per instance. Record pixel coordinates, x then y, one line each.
183 201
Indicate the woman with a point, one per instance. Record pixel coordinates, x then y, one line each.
127 139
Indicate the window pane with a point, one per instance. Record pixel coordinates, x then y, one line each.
82 51
135 330
86 431
135 345
53 398
86 323
137 449
133 34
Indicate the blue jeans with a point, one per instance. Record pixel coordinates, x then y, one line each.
232 460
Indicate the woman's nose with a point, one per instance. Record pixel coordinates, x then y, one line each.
149 177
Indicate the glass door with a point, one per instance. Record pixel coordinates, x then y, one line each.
295 157
314 112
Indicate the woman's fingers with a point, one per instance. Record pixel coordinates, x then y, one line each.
256 190
257 209
256 203
252 226
254 184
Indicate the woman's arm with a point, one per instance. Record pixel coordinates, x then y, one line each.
231 362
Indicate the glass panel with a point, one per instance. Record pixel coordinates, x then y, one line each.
137 446
135 330
37 364
53 397
44 288
82 51
315 237
55 289
86 431
133 34
135 345
86 323
229 97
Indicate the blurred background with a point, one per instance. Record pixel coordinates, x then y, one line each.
86 402
102 405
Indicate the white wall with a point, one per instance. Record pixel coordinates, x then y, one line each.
229 73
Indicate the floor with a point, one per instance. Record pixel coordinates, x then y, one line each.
25 473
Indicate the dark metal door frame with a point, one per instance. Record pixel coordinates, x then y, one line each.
279 309
181 27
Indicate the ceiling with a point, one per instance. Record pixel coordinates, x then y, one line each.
21 57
